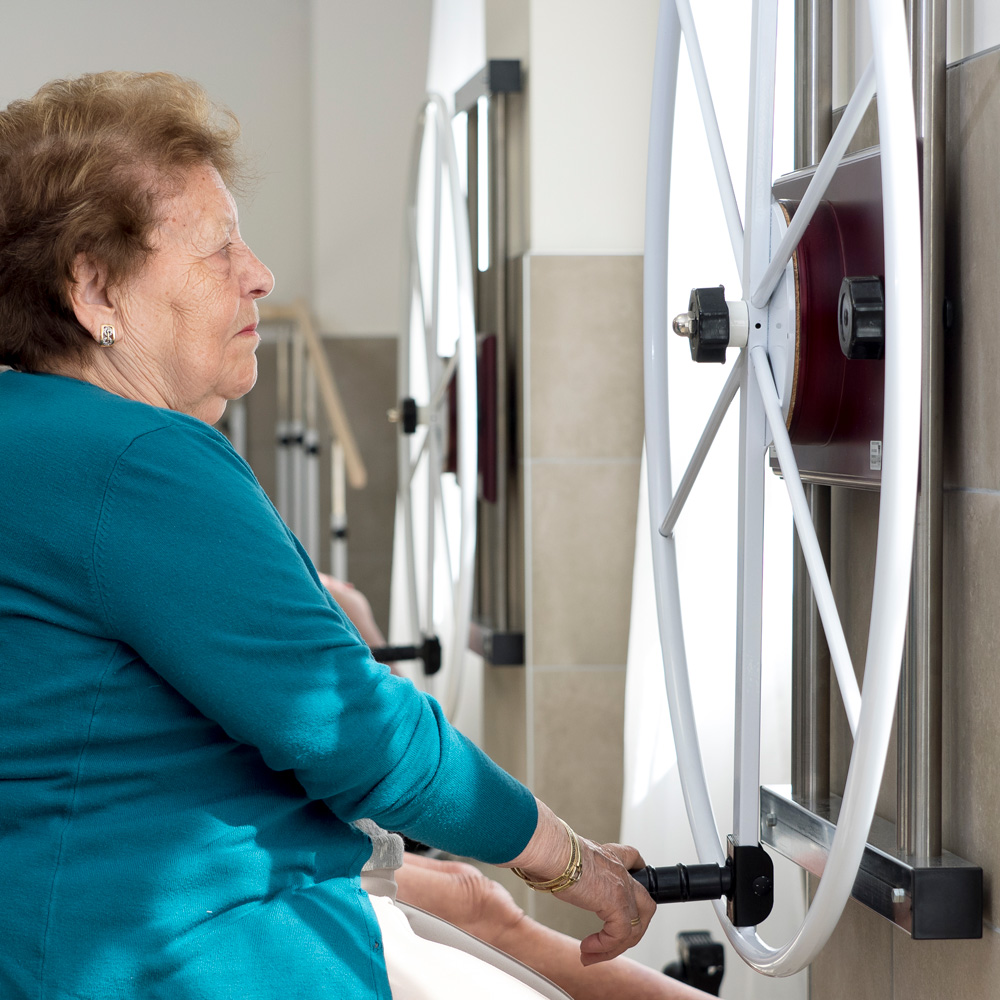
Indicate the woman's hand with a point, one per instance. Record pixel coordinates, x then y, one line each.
604 887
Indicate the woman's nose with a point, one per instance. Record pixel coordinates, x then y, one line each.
258 277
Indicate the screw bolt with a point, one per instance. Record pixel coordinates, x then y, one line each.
684 325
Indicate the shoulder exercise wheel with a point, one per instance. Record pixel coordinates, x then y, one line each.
760 322
437 416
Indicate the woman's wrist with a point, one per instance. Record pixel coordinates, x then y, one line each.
569 876
548 853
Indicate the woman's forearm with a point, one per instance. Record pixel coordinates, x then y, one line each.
557 956
461 894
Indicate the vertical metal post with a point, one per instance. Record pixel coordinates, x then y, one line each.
338 511
919 715
813 80
236 425
310 487
297 432
498 265
810 668
472 202
282 464
810 655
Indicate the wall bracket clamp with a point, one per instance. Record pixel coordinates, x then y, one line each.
929 898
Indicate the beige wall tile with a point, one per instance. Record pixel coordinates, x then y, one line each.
578 739
582 548
972 241
585 355
856 963
936 970
578 720
504 723
971 685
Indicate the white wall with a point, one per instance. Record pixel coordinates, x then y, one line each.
973 26
369 66
457 45
590 69
246 53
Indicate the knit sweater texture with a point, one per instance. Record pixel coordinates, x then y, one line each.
189 724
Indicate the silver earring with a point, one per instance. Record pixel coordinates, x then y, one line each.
107 335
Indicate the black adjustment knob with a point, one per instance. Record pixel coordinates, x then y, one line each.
861 318
707 324
409 408
430 653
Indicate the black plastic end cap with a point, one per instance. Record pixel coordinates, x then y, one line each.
752 895
861 318
408 409
430 653
711 327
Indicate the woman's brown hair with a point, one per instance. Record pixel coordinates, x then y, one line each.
83 165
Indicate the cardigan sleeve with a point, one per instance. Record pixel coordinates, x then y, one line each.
198 574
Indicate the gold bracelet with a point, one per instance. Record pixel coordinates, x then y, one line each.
574 869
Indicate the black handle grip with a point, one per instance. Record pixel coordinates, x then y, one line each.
429 651
682 883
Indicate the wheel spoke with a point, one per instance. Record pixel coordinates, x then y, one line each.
446 544
749 609
723 177
760 127
818 576
704 444
853 114
433 502
432 346
442 386
415 463
417 290
410 561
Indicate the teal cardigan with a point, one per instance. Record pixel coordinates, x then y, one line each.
189 723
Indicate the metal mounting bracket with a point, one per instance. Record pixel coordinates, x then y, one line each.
938 897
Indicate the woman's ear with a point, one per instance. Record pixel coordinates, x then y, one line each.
88 295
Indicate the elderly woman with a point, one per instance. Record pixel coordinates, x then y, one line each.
184 751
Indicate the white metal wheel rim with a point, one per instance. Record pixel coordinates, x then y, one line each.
447 684
900 435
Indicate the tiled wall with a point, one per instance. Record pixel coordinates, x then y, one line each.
582 427
868 957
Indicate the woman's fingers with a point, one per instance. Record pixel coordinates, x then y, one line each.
603 885
607 888
620 932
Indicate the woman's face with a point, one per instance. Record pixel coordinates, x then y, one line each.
188 322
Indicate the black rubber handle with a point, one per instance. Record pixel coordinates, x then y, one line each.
682 883
429 651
